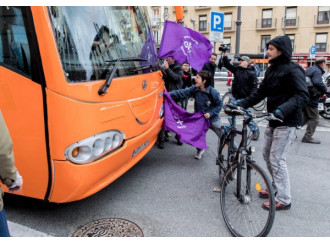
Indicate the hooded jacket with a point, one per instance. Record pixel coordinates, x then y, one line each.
245 80
284 86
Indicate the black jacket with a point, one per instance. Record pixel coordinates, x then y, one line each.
315 73
284 86
245 80
173 77
211 68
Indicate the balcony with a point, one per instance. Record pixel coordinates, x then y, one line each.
202 7
290 23
155 21
323 22
266 23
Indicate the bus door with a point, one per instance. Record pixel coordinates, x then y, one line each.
22 98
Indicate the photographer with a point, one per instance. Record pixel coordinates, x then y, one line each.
244 83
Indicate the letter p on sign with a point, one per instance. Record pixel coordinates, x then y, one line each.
217 20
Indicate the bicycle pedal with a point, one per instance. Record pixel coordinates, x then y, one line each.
216 189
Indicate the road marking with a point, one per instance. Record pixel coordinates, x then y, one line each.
17 230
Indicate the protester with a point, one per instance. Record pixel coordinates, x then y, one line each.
210 66
310 110
9 175
256 67
173 81
207 99
285 87
244 83
186 78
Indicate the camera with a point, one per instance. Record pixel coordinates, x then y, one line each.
224 48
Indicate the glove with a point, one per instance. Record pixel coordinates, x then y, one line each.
278 114
240 104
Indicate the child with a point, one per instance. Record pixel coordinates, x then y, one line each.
207 99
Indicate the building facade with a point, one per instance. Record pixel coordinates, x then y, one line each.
305 25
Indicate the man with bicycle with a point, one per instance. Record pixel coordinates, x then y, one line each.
286 91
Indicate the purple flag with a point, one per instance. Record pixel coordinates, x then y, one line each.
149 51
184 44
191 128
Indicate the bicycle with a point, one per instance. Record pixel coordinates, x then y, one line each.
226 98
241 181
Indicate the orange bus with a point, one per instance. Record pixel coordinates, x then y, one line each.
81 94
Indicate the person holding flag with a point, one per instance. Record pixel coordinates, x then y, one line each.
173 74
207 101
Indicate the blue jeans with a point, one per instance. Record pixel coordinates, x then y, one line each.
4 231
252 125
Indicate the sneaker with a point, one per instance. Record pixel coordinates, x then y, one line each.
311 140
161 145
199 154
178 142
278 206
255 135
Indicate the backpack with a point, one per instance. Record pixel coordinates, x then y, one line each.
313 91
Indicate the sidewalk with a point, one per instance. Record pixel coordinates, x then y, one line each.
17 230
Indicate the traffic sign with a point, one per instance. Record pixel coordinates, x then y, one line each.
216 26
312 52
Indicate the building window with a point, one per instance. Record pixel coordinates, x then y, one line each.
202 22
264 40
291 16
156 37
291 36
227 21
266 18
155 16
321 42
323 15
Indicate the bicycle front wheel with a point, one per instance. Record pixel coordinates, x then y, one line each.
226 98
243 213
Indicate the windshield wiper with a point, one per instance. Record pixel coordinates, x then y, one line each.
105 86
151 67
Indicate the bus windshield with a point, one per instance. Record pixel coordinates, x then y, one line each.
90 39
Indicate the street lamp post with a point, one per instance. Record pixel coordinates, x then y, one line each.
284 21
192 20
238 35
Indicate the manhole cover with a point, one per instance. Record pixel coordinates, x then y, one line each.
109 227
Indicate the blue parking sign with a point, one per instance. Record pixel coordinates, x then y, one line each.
313 50
216 22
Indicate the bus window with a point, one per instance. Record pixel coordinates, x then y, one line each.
15 50
111 32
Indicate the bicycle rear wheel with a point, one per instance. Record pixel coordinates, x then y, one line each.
223 158
243 214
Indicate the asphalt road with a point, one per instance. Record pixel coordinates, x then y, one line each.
170 194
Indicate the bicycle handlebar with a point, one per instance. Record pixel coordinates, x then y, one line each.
237 110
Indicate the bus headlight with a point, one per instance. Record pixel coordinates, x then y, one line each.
92 148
